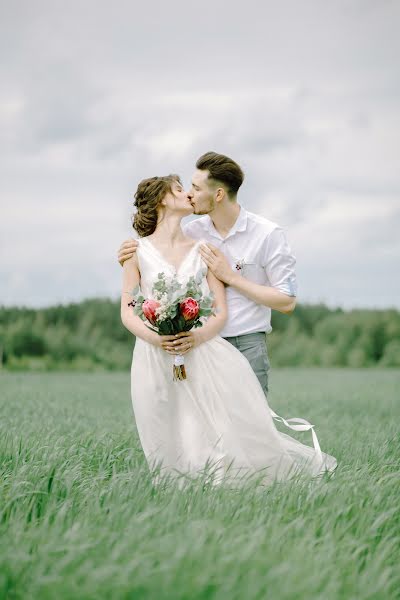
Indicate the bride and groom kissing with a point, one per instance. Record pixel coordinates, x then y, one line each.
220 415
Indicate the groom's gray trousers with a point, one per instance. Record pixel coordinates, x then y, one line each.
254 347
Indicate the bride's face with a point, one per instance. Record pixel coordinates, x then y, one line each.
178 201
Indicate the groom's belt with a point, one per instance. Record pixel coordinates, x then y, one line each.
256 335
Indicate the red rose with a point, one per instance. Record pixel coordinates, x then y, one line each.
149 310
189 309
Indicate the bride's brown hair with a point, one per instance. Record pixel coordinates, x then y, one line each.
148 198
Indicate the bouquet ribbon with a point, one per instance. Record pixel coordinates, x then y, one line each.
179 372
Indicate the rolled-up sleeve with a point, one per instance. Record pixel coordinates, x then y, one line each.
280 262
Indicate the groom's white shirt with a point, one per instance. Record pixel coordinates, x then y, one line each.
260 248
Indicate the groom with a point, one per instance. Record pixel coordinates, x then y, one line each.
249 253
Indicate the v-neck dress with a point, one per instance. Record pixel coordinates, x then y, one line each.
218 419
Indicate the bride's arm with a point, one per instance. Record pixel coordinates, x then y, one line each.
134 324
211 328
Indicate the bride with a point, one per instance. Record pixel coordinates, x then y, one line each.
218 420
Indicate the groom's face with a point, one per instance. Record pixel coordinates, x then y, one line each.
201 193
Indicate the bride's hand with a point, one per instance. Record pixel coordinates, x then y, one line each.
164 341
182 343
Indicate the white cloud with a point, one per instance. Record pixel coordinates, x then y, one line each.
303 96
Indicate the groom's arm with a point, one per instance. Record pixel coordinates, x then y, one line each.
262 294
279 267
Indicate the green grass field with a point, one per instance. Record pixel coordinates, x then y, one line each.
80 519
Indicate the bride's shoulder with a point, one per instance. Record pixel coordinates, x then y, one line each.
197 241
143 242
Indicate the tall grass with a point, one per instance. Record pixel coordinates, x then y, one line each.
79 517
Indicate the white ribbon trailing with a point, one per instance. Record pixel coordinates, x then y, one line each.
301 425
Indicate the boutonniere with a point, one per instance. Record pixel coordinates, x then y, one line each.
239 265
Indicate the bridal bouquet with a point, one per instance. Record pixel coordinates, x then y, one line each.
174 307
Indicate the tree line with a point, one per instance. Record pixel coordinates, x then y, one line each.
89 336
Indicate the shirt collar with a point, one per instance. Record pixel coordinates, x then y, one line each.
239 225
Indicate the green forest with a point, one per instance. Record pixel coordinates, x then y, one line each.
89 336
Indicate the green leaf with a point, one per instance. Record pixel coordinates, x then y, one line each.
165 327
181 323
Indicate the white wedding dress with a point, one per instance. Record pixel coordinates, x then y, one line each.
218 420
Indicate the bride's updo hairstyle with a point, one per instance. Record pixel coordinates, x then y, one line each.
148 197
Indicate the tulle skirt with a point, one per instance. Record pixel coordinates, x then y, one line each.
217 421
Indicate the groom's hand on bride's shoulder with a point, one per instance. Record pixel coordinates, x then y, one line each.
127 250
217 262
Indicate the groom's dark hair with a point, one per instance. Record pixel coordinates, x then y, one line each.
222 169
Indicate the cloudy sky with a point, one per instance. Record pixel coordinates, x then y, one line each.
305 95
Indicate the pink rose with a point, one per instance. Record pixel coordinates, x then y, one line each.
189 309
149 310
